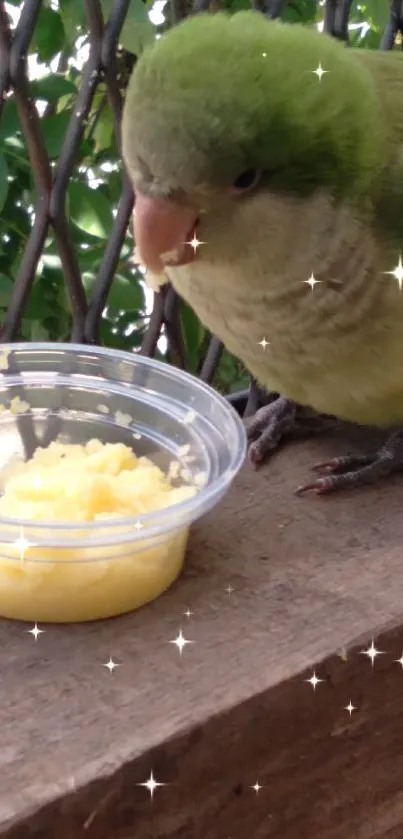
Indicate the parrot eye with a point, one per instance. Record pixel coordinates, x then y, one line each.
247 180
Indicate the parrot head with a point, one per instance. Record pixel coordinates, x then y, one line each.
222 106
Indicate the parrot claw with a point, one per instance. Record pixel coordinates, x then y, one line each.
353 471
279 419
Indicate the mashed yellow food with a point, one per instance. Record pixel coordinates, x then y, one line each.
91 483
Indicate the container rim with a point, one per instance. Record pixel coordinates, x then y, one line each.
157 519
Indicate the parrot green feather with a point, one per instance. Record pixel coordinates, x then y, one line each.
221 94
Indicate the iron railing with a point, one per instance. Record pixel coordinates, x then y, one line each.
51 183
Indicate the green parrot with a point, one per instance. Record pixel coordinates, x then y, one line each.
267 161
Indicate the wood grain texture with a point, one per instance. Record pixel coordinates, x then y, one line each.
310 576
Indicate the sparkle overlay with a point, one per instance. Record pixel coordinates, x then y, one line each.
151 784
229 590
350 708
372 652
195 243
263 343
36 631
21 545
188 613
111 665
138 526
312 282
180 642
314 680
319 72
256 786
399 660
397 273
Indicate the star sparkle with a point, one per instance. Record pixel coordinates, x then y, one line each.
138 526
229 590
180 642
372 652
188 613
314 680
111 665
256 786
35 631
397 273
195 243
350 708
312 282
151 784
399 660
21 545
319 72
263 343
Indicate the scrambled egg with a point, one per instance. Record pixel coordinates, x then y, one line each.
95 482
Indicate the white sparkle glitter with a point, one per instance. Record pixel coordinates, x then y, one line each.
399 660
312 282
188 613
350 708
314 680
36 631
319 72
151 784
195 243
229 590
263 343
264 54
397 273
111 665
256 786
181 642
21 545
138 526
372 652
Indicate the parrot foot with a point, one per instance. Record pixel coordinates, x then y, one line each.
279 419
354 471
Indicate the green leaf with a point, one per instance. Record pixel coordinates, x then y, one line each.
90 210
125 294
378 11
52 87
137 30
38 331
6 288
115 185
236 5
49 37
3 181
9 123
38 308
103 132
73 15
54 129
193 333
295 12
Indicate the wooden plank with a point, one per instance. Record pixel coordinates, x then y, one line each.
310 576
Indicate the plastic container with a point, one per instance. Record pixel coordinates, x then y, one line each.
65 572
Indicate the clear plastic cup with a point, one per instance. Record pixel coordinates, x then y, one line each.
65 572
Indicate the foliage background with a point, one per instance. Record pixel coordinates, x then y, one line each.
57 52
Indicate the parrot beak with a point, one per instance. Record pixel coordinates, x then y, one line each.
162 231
